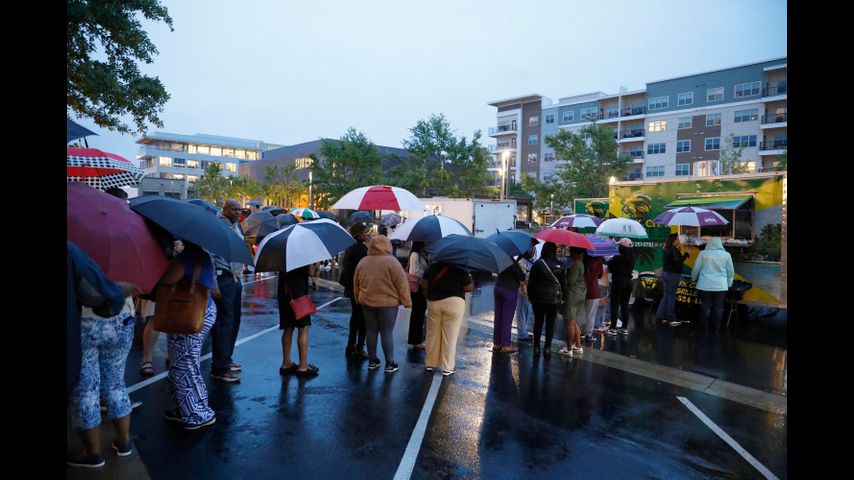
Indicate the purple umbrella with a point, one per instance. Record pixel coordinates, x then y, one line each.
693 216
577 220
602 246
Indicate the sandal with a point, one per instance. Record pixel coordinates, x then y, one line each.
288 370
509 349
146 369
309 372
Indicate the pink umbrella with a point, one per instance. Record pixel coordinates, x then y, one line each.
577 220
564 237
99 169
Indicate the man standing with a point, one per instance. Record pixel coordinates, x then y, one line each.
352 256
227 295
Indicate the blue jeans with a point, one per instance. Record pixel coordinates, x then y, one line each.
224 331
524 313
667 307
713 301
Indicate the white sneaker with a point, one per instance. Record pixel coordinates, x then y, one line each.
565 352
577 350
619 323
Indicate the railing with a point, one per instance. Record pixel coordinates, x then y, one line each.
776 89
632 133
633 176
635 153
775 117
502 129
501 146
775 145
627 112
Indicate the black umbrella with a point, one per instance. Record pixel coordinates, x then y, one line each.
325 214
274 210
259 225
204 204
300 245
193 224
73 131
361 216
513 242
469 252
286 220
255 203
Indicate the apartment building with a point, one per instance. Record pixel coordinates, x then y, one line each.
673 127
183 158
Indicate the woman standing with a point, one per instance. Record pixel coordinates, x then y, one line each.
544 291
506 292
576 295
445 287
293 285
587 316
621 267
380 286
185 383
672 273
417 266
714 273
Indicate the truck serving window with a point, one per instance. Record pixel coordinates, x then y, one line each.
738 210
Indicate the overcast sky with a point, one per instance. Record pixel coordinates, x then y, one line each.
288 72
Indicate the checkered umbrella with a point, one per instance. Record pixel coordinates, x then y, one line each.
101 170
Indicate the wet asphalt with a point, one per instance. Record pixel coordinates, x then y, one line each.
499 416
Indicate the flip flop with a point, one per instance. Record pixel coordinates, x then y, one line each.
289 370
310 372
146 369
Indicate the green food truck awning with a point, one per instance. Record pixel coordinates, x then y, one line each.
728 202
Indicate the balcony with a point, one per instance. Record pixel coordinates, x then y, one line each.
772 90
633 135
774 120
502 146
628 112
502 130
633 176
774 147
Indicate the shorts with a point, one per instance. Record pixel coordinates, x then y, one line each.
287 319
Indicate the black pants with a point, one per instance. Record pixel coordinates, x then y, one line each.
416 318
358 330
621 291
714 302
544 312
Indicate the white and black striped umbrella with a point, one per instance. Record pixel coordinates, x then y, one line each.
300 245
429 228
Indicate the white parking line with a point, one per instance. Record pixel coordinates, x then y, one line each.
407 463
729 440
161 376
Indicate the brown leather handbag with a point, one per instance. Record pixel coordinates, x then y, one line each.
180 307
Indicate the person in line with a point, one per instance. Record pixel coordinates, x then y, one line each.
146 310
445 287
671 273
524 312
293 285
417 265
184 383
380 286
352 256
228 296
545 291
714 273
576 295
88 287
588 315
506 292
621 267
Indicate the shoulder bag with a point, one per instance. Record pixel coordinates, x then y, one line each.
180 307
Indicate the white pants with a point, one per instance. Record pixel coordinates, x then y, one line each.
587 316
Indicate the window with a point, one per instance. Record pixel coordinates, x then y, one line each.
715 94
192 148
746 115
613 112
192 164
204 163
683 169
637 109
655 171
655 148
230 167
685 98
533 139
533 121
713 143
203 149
550 118
588 113
744 141
165 162
192 178
548 156
658 103
227 152
238 153
568 116
684 122
179 162
252 155
216 151
636 152
167 176
713 119
532 158
747 89
683 146
178 176
658 126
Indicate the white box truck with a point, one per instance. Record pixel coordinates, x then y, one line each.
480 215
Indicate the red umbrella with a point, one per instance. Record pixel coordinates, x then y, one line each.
564 237
379 197
100 169
114 236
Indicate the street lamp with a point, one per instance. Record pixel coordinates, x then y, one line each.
503 175
552 207
310 198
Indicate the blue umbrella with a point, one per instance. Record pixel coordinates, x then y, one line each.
194 224
513 242
469 252
325 214
274 210
361 216
300 245
255 203
286 220
204 204
73 131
